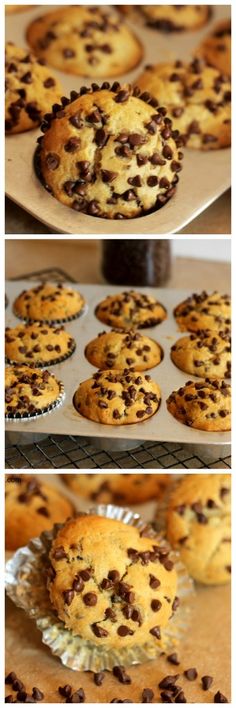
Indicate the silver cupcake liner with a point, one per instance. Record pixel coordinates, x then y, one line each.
45 410
26 585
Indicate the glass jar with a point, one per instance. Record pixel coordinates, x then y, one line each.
136 261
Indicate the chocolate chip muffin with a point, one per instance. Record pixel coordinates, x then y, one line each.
203 311
109 152
203 354
197 98
118 397
171 18
30 392
30 508
130 309
37 344
199 526
110 585
86 41
49 303
205 405
118 488
216 47
11 9
116 350
31 90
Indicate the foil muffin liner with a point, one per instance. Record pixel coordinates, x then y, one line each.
26 585
45 410
63 320
45 364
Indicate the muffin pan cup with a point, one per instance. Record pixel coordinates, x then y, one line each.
22 417
52 323
159 427
43 364
26 586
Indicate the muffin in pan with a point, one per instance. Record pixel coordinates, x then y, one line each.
109 152
205 405
30 392
199 526
204 353
130 309
115 397
116 350
118 488
11 9
197 98
37 344
170 18
31 90
30 508
110 585
204 311
49 303
215 49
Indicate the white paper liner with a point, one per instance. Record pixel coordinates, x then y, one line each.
26 585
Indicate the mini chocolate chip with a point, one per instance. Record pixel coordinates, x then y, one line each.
114 575
154 582
99 678
173 659
120 673
68 53
52 161
123 631
191 674
90 599
65 691
11 676
156 632
122 96
37 694
99 631
156 605
48 83
68 596
206 682
220 698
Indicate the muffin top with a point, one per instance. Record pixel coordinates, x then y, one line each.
9 9
87 41
30 391
205 405
31 90
118 488
49 303
118 397
117 350
198 525
109 584
202 311
171 18
204 353
109 152
216 47
31 507
130 309
37 344
197 98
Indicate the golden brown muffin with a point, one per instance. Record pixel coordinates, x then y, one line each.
30 392
199 526
111 586
215 49
37 344
205 405
11 9
203 354
203 311
116 350
49 303
197 98
109 152
31 507
130 309
31 90
118 488
118 397
170 18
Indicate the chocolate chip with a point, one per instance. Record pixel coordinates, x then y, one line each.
68 53
90 599
156 632
17 685
68 596
37 694
65 691
43 511
122 96
156 605
27 78
72 145
147 695
11 676
99 678
78 584
123 631
99 631
152 181
191 674
52 161
108 176
173 659
120 673
206 682
154 582
220 698
48 83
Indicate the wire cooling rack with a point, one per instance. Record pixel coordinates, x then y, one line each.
68 452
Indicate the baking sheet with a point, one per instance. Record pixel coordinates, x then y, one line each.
35 665
195 191
162 426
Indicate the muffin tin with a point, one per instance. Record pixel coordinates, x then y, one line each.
25 189
67 421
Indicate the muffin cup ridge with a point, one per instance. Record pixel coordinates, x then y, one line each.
16 417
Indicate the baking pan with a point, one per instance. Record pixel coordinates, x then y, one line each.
196 191
67 421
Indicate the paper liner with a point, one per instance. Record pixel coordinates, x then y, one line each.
63 320
43 364
26 585
17 417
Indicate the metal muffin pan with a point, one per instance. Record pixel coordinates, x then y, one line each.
65 420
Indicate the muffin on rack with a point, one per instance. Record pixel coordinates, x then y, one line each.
109 152
204 353
215 49
30 508
118 397
49 304
30 392
170 18
197 98
199 526
110 585
130 309
116 350
37 344
118 488
205 405
31 90
203 311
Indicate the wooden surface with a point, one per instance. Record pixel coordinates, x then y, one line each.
81 259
